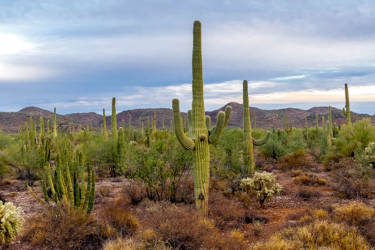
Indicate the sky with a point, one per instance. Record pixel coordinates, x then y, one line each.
77 55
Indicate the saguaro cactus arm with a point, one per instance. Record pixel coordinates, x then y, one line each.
208 122
262 141
184 140
222 120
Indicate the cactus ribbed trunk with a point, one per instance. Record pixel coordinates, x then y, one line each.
201 155
248 138
54 123
114 119
105 133
347 105
199 138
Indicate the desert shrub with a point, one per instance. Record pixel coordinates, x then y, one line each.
309 179
294 160
10 222
131 244
184 228
354 139
231 143
263 185
136 191
57 228
225 212
307 194
354 213
316 235
120 220
352 182
274 148
367 157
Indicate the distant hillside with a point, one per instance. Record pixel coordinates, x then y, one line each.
11 121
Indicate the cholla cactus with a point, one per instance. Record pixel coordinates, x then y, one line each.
10 222
369 155
263 184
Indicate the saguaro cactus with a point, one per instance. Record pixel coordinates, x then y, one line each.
330 127
346 110
54 123
200 138
114 119
105 133
248 154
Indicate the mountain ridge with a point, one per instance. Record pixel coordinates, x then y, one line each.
273 118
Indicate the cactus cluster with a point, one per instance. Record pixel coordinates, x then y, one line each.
199 137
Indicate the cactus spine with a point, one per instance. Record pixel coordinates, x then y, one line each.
54 123
346 110
114 119
105 133
199 142
249 163
255 120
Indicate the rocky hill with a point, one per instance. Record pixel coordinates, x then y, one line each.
11 121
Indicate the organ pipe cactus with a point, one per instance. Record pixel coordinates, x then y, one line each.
105 133
249 142
346 110
200 137
54 123
64 185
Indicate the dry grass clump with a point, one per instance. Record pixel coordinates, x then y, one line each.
57 228
294 160
354 213
136 191
227 213
184 228
116 220
309 180
307 194
316 235
130 244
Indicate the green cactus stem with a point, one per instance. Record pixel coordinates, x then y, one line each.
200 138
54 123
114 119
316 120
105 133
208 122
255 120
249 141
346 110
330 127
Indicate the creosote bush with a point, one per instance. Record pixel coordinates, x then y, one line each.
263 185
316 235
58 228
10 222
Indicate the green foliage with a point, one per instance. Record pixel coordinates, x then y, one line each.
353 139
263 185
10 222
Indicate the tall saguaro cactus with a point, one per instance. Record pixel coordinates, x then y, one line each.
105 133
249 163
54 123
114 119
346 110
200 138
